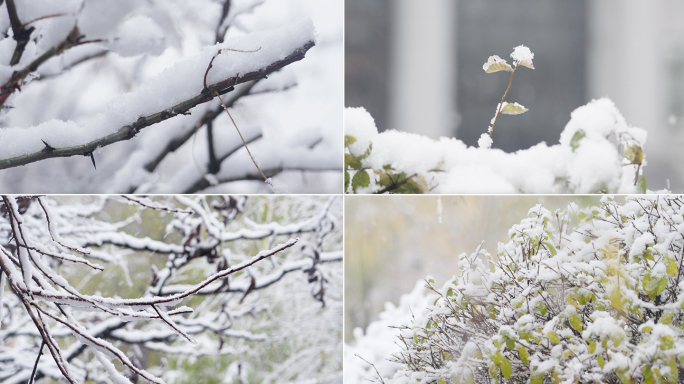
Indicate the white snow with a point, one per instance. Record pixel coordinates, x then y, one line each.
522 55
493 60
361 125
485 141
450 166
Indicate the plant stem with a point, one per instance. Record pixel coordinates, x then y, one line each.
502 101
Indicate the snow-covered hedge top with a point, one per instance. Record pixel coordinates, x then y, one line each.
598 152
590 295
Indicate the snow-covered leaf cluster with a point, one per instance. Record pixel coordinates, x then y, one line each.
592 295
123 289
598 152
132 86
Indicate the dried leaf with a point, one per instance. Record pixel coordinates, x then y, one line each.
513 109
496 64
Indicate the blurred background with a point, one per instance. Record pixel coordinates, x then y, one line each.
393 241
417 66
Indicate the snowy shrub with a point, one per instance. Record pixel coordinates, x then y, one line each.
175 289
590 295
144 89
598 152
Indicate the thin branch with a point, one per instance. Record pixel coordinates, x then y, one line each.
211 115
35 366
498 113
21 35
17 79
241 138
203 183
129 131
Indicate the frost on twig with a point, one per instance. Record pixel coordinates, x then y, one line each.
41 239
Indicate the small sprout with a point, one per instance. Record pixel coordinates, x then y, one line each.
521 56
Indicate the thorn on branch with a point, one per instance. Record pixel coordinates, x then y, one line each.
48 148
229 89
92 158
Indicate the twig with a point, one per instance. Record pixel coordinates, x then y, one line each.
498 113
241 138
372 365
35 366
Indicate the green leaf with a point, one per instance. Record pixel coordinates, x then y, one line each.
351 162
592 346
493 371
409 187
541 307
575 322
523 354
648 375
662 284
616 297
641 185
634 154
666 342
574 142
601 361
347 180
510 343
617 339
441 381
551 248
671 266
513 109
623 375
349 140
666 318
360 179
537 378
553 337
506 367
581 216
450 292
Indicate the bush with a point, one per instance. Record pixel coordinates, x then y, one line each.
578 296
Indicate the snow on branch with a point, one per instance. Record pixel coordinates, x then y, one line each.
151 104
40 262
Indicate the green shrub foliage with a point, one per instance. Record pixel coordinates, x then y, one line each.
576 296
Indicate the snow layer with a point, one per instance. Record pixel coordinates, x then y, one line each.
303 103
590 164
174 85
522 55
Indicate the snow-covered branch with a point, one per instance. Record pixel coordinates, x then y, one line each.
185 308
60 139
127 103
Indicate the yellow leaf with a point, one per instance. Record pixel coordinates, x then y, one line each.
513 109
